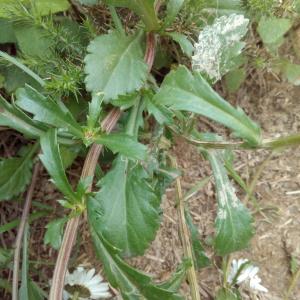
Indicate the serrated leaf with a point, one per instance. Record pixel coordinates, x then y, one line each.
184 43
15 175
173 8
52 161
143 8
182 90
129 208
272 30
132 284
233 224
115 65
200 258
124 144
47 110
54 232
33 41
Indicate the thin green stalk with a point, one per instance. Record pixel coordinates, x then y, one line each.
131 125
186 239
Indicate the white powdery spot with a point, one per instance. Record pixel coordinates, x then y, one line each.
222 214
213 43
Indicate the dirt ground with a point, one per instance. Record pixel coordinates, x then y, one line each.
275 106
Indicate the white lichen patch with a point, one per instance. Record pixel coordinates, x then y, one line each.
218 44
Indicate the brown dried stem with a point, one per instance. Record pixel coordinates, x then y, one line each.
19 238
186 239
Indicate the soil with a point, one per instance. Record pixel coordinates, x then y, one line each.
275 106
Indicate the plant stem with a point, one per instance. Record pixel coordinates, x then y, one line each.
292 285
70 233
186 239
268 144
19 238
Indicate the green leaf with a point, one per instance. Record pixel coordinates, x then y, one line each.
22 67
52 161
186 46
115 65
47 110
33 41
272 30
54 232
234 79
143 8
124 144
6 256
233 224
226 294
128 206
89 2
94 111
174 283
181 90
161 113
200 258
12 117
291 72
46 7
133 285
15 175
7 34
29 290
173 8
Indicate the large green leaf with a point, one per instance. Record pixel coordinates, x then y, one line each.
182 90
47 111
144 8
52 161
234 222
124 144
132 284
115 65
129 208
15 175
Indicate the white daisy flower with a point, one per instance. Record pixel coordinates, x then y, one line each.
218 45
85 285
243 272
